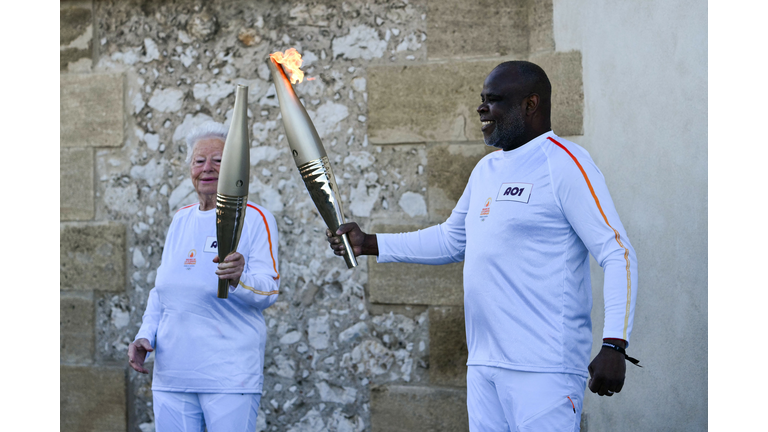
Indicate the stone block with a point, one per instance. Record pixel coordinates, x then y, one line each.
424 409
92 399
396 191
564 72
448 170
413 284
410 311
541 23
433 102
75 33
91 110
92 257
76 331
76 188
447 346
460 28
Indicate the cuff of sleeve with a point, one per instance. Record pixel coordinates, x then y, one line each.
233 288
383 256
608 338
149 338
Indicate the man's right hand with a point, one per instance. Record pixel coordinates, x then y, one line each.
137 352
362 243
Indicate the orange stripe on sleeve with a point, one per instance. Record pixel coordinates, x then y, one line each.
269 239
266 293
616 233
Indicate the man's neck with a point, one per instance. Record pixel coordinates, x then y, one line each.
524 139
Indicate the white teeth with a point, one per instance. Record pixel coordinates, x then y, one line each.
485 123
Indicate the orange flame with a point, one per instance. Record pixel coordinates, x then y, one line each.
291 61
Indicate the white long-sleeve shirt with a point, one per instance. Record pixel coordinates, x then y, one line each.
525 226
204 344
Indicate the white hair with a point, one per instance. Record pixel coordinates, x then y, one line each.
208 129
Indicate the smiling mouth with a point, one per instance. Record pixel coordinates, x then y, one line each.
486 124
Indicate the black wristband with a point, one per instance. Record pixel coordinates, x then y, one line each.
621 350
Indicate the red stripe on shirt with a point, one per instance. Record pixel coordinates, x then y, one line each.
186 207
616 233
269 239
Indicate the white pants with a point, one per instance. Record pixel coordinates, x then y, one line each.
502 400
192 412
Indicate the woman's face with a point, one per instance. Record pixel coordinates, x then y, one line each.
205 164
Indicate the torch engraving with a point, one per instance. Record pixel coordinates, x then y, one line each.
321 184
309 153
232 189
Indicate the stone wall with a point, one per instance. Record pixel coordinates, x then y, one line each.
397 82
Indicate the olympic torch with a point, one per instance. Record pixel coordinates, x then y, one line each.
308 152
232 190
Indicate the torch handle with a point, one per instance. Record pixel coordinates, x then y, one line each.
223 289
230 218
349 254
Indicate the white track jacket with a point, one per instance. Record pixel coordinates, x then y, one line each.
204 344
525 226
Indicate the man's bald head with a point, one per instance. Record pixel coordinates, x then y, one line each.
530 78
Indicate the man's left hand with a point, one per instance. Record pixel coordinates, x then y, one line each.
607 372
232 267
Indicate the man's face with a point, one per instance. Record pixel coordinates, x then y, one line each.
501 111
204 168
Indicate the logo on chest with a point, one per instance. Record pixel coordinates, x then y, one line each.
191 259
520 192
486 210
211 245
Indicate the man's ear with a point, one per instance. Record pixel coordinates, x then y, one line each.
532 103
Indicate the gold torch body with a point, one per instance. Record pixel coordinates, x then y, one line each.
232 189
310 157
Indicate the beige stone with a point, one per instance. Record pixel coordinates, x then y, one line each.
92 257
91 110
448 170
92 399
564 72
411 311
76 331
433 102
540 21
76 184
458 28
413 284
447 346
75 32
423 409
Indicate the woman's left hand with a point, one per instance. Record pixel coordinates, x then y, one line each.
232 267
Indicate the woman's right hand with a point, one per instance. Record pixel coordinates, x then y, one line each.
137 352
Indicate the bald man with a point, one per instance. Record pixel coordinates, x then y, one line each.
528 219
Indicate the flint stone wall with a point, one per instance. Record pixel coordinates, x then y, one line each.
396 84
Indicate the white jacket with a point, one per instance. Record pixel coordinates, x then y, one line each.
525 226
204 344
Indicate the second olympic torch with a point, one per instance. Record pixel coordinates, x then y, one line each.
309 155
232 190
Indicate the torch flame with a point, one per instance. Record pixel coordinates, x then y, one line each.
291 61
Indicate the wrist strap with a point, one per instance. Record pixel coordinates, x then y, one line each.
621 350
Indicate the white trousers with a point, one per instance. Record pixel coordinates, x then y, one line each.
192 412
502 400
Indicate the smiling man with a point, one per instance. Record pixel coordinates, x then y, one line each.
525 225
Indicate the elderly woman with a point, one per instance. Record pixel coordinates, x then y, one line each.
209 352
